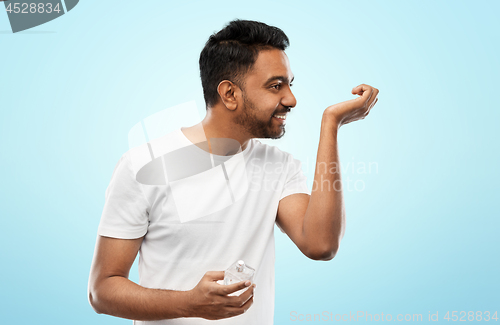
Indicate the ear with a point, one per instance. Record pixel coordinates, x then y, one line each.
230 94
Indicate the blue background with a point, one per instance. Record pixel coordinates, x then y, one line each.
422 233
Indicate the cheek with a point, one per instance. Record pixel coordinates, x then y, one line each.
266 103
269 104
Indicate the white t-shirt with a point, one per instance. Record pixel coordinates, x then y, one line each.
176 252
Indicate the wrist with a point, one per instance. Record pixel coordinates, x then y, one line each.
188 302
330 122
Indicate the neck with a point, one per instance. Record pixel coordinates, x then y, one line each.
217 126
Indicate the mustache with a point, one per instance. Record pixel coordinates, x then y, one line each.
283 112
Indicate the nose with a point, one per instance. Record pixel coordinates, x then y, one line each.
289 99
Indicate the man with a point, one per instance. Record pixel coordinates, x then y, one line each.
246 79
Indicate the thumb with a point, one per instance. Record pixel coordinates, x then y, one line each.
358 89
364 91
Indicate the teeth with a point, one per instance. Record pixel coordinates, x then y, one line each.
280 116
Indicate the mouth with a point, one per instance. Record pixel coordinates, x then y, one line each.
281 116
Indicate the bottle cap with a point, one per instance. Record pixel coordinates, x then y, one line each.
240 265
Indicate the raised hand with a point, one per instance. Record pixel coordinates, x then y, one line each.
354 109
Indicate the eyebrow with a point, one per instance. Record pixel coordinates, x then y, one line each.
281 78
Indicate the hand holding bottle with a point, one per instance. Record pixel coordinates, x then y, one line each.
211 300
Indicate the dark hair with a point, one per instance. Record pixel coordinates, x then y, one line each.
231 53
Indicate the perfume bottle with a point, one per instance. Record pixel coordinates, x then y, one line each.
238 272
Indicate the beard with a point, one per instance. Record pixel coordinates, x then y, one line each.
257 127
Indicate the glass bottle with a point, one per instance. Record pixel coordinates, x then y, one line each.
238 272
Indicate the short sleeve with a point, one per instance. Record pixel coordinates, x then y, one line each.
295 181
126 209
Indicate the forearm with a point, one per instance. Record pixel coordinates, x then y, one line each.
118 296
324 222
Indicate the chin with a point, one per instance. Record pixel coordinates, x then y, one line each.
278 136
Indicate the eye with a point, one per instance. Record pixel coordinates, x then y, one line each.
278 86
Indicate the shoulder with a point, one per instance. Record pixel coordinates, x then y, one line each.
275 155
140 155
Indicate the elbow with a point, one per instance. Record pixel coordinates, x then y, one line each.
323 254
94 302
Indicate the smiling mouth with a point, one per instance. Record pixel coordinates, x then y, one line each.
280 116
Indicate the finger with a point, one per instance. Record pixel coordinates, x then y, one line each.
370 108
225 290
240 310
237 301
247 295
372 100
247 304
357 89
214 275
366 94
361 89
